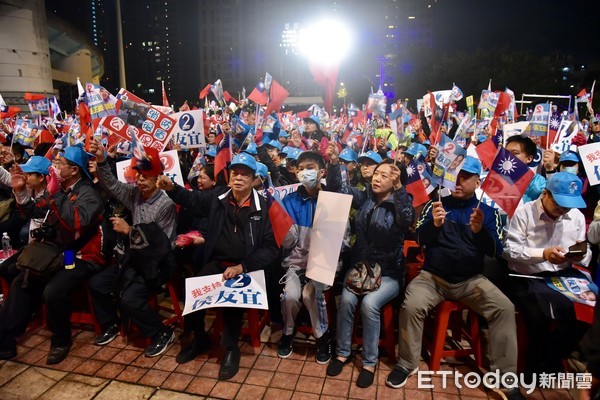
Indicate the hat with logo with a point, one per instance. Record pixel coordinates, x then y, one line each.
348 155
293 154
211 151
370 155
38 164
471 165
415 149
274 144
566 190
251 149
244 159
261 170
77 156
314 119
568 155
283 133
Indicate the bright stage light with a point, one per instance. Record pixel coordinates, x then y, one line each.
326 41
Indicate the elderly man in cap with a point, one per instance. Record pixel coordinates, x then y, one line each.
154 218
537 245
241 240
73 223
457 232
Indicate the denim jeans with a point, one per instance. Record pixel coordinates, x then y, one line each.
370 312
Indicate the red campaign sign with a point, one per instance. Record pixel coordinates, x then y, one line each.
152 127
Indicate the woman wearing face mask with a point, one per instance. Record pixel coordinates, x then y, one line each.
385 212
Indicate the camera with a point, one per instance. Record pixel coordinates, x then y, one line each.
45 232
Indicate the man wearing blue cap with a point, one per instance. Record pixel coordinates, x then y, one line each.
457 232
241 240
75 212
537 244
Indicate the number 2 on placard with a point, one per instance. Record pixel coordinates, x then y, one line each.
186 122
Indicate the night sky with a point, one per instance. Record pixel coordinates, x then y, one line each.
542 26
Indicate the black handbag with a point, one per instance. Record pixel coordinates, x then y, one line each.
40 259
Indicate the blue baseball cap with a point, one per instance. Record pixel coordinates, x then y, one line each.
261 170
244 159
370 155
471 165
415 149
283 133
211 151
251 149
77 156
293 154
566 190
285 150
348 155
569 155
38 164
274 143
314 119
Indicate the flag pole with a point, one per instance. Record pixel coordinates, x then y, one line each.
548 130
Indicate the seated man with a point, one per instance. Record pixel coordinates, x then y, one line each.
240 239
74 214
136 276
538 236
457 234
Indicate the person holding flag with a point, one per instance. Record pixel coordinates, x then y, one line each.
241 240
457 231
298 289
154 216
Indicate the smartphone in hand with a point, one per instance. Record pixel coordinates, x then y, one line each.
577 250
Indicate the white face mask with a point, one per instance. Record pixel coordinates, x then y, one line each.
574 169
57 174
308 178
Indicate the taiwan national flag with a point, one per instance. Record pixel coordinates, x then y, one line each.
223 154
415 186
507 181
281 222
259 94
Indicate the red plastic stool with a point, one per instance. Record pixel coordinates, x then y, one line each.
257 320
388 341
82 316
444 311
175 308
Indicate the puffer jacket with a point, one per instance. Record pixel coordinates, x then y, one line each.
453 252
379 228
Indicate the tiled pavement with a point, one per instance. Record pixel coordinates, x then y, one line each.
120 371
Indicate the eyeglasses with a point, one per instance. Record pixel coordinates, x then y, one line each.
59 164
557 206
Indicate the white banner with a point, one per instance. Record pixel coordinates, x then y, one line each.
243 291
169 159
329 226
590 156
509 130
189 129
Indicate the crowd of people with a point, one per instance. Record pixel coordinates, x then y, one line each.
128 240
